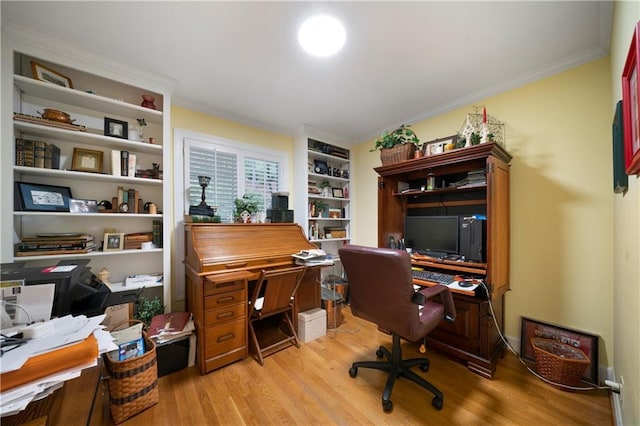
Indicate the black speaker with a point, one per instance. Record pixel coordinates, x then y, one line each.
279 202
280 216
473 232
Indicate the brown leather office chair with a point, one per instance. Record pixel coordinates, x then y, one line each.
273 295
381 291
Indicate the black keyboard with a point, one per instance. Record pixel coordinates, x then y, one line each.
436 277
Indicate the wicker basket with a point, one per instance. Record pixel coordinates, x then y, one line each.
133 383
559 362
397 154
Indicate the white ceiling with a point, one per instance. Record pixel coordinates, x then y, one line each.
403 61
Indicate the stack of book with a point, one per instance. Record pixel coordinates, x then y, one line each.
171 327
30 153
50 244
473 178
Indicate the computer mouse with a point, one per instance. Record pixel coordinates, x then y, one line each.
465 284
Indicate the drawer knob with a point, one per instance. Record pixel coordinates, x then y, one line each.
224 315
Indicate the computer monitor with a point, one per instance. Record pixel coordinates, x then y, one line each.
435 234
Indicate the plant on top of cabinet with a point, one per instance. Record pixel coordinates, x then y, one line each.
397 145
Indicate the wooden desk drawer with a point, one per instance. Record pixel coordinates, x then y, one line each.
225 338
216 285
217 316
225 299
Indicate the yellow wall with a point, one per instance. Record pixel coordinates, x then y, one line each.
626 278
559 133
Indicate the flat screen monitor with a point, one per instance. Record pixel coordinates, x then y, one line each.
432 233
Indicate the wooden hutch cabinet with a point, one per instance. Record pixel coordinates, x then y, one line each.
402 191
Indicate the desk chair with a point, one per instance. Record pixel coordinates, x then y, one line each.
381 291
273 295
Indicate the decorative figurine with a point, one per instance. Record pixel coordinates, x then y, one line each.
104 275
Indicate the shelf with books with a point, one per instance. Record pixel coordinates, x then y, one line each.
103 93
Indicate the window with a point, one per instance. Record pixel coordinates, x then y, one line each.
235 169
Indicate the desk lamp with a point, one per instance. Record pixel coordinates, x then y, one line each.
202 209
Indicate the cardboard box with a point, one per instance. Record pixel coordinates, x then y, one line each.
312 324
117 314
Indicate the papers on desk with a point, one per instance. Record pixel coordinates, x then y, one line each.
316 257
67 330
67 351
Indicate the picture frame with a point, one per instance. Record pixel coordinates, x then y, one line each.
631 105
620 177
116 128
113 241
337 192
83 206
43 73
42 198
436 146
335 213
588 343
87 160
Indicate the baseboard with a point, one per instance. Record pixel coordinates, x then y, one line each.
616 404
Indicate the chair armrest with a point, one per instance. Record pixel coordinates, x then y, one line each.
420 297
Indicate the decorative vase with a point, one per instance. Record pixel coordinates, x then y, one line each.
148 101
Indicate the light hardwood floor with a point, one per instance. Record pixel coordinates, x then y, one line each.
311 385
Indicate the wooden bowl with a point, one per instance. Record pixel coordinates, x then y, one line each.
56 115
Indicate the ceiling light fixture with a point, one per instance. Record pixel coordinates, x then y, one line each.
321 35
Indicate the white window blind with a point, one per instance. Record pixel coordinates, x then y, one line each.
234 171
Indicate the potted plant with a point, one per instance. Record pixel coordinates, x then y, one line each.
245 207
325 186
397 145
148 309
318 208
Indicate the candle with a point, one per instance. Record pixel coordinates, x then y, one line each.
484 115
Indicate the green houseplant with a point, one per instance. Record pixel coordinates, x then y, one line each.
147 309
397 145
401 135
248 203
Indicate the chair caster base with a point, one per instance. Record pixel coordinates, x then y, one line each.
437 402
387 406
353 372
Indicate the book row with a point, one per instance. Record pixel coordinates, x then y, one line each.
30 153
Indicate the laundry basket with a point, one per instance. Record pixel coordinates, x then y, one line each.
133 383
559 362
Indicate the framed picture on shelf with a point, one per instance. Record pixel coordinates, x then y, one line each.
42 198
630 105
83 206
113 241
86 160
337 192
436 146
335 213
42 73
116 128
587 343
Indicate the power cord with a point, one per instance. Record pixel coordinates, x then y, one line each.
535 373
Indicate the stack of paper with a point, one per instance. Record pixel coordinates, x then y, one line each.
39 367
